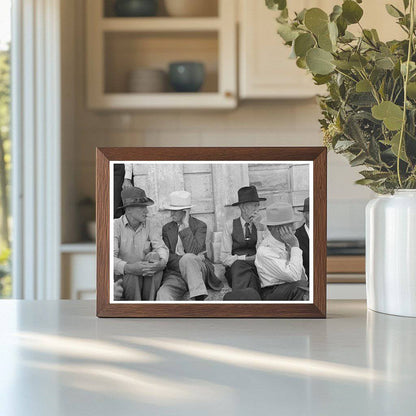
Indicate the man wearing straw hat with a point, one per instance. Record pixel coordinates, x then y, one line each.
188 269
140 255
302 234
239 243
279 258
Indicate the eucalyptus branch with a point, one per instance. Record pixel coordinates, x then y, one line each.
373 89
406 79
345 75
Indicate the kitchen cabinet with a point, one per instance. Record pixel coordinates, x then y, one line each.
265 70
118 45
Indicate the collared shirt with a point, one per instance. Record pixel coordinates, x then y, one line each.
180 251
276 265
226 256
243 224
131 246
307 229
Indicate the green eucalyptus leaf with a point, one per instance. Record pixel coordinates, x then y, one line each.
374 175
411 90
286 32
394 145
393 11
358 61
361 99
319 61
368 35
363 86
351 11
336 12
412 67
284 13
325 42
301 63
333 32
347 37
321 79
365 182
300 17
374 150
396 71
303 43
391 114
358 160
343 65
316 20
343 145
385 63
375 35
276 4
342 25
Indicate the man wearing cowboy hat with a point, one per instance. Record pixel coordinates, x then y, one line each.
279 258
302 234
239 243
140 255
188 269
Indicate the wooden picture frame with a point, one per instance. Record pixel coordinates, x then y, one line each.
316 308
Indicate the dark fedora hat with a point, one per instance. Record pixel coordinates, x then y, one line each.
248 194
134 197
305 206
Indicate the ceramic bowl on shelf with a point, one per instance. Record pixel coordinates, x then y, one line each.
135 8
191 8
186 76
147 80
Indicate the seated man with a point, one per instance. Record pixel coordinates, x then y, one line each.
302 234
140 254
238 247
188 269
279 258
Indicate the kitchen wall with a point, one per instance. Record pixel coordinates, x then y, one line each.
253 123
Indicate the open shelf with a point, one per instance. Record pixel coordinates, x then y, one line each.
116 46
211 9
127 51
160 24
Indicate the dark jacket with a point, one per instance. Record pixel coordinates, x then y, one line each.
303 239
193 240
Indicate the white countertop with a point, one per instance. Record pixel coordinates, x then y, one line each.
56 358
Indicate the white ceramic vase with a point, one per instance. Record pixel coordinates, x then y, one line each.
391 253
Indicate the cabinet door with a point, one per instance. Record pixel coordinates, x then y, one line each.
265 68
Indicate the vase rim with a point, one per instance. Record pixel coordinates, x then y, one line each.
405 191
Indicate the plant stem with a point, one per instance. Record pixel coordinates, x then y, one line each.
406 79
345 75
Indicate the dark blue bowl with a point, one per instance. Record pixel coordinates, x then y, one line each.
136 8
186 76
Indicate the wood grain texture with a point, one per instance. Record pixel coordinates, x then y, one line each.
224 310
346 264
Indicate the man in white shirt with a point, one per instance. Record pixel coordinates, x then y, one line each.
302 234
240 239
279 258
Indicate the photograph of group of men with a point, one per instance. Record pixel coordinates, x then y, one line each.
263 256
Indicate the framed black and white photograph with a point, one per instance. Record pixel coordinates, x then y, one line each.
211 232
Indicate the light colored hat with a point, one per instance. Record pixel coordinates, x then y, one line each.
179 200
280 213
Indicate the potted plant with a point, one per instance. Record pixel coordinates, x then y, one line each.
369 116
